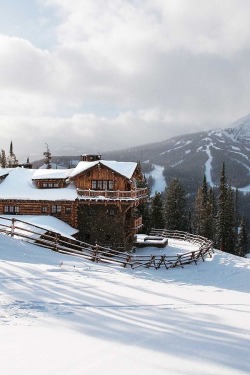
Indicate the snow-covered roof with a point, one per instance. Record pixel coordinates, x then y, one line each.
45 174
44 221
125 169
18 185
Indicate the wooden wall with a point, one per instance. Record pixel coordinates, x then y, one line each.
38 208
100 172
39 183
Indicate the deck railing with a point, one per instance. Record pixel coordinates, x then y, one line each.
134 194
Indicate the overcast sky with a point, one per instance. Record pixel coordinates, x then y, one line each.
108 74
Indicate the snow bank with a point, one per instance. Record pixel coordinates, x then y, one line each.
59 315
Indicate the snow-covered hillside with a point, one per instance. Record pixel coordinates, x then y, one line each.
60 315
240 130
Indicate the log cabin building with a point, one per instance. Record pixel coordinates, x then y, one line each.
100 198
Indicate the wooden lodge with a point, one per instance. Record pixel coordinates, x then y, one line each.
100 198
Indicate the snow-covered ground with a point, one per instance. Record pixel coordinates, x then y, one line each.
62 315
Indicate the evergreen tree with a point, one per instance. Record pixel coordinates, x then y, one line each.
204 211
3 161
47 158
226 216
231 222
144 208
156 212
176 207
242 243
11 161
210 232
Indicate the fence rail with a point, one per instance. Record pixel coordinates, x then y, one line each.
39 236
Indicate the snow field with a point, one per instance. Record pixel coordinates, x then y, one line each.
61 315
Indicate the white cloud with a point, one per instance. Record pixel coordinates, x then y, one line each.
125 72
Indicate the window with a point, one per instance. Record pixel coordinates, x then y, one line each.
50 185
56 209
102 184
11 209
44 209
67 210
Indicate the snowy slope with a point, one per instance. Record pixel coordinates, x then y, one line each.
59 315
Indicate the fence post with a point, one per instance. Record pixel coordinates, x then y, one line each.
12 227
56 243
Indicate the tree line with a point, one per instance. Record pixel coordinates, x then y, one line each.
213 214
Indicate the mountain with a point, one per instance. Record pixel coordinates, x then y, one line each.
190 156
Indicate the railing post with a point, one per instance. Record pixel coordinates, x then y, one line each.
12 227
56 243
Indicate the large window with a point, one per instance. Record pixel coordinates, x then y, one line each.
56 209
11 209
102 184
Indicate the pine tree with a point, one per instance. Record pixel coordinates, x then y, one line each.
156 212
204 211
11 161
144 208
3 161
210 232
47 158
198 213
176 207
242 243
226 236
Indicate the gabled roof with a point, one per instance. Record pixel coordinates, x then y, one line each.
125 169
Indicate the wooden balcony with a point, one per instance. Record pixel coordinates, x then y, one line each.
135 194
134 224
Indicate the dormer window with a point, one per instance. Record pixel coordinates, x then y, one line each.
50 185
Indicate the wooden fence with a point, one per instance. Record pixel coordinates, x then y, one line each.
42 237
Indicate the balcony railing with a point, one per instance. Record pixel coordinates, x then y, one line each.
134 224
134 194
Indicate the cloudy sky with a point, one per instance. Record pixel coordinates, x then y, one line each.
107 74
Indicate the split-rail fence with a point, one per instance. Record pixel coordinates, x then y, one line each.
49 239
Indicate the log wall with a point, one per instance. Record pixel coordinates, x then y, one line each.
67 213
100 172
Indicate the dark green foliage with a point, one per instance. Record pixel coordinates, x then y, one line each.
144 208
176 216
205 211
11 161
226 236
3 161
157 214
242 243
47 158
